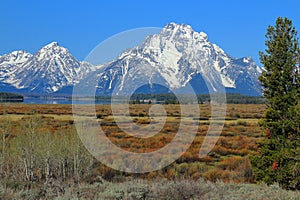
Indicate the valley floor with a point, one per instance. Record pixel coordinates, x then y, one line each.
42 157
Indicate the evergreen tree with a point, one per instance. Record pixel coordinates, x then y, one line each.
279 152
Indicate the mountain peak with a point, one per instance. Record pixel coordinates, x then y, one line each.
173 26
54 67
183 31
248 59
178 28
50 50
51 45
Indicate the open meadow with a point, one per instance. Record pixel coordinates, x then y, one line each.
42 154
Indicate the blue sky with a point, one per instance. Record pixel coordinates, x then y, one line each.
236 26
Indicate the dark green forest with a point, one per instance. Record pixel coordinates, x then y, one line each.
10 97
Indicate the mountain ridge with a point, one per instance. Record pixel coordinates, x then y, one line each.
48 70
176 57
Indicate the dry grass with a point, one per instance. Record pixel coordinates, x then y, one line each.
238 138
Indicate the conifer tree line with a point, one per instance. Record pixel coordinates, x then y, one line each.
278 159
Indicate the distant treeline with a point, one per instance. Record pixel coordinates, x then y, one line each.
234 98
10 97
170 98
231 98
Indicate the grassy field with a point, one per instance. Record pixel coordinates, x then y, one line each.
227 162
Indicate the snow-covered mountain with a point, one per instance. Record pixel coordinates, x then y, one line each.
9 63
48 70
173 58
